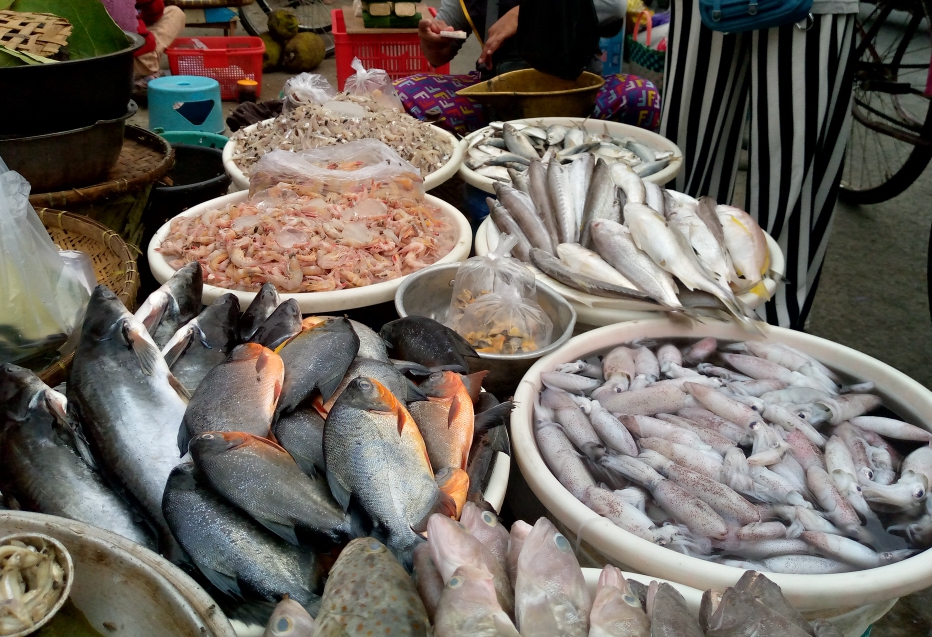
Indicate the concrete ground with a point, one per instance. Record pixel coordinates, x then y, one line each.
872 296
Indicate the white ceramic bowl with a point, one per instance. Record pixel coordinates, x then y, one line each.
312 302
61 556
599 310
616 129
431 181
822 593
122 588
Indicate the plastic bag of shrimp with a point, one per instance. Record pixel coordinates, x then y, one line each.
495 272
366 165
505 323
375 83
306 88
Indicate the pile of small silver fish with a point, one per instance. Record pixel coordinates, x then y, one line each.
751 454
313 125
514 145
31 581
603 230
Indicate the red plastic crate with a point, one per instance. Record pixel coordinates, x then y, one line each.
398 54
226 59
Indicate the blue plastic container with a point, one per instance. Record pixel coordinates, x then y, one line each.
185 103
195 138
476 209
612 50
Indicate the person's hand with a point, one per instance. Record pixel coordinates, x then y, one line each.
436 49
504 28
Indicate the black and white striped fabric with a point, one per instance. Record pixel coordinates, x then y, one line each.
797 85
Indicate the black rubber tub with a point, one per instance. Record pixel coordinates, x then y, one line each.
50 98
69 159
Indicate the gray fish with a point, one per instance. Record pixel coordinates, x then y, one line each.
652 168
561 201
41 467
506 223
204 342
555 134
506 159
263 304
599 201
518 144
301 433
519 180
770 595
574 137
498 173
230 549
534 133
669 614
556 269
174 304
281 325
738 614
541 203
426 342
261 478
568 152
644 153
376 456
386 373
371 344
706 212
130 405
317 358
580 176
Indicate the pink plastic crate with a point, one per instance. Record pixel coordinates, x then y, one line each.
398 54
226 59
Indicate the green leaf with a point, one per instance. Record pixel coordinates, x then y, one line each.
6 59
5 4
28 58
94 33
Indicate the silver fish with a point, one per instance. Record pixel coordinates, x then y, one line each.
540 195
555 134
518 144
559 271
561 200
598 202
506 223
174 304
580 175
522 209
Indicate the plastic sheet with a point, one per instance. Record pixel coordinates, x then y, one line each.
306 88
505 323
374 82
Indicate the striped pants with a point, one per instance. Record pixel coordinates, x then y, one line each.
797 85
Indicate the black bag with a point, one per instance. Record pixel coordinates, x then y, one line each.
559 37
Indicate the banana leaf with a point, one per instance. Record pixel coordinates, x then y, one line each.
94 33
25 57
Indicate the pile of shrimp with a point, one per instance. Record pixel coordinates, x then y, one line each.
302 240
312 126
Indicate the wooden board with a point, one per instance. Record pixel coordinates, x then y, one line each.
355 25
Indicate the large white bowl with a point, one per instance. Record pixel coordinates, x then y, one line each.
431 181
312 302
615 129
906 397
599 310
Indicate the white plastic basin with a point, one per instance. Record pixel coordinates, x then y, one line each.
311 302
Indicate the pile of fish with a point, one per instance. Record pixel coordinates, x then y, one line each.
514 145
360 117
302 435
601 229
752 454
476 578
31 582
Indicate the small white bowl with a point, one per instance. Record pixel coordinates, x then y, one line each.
62 556
312 302
431 180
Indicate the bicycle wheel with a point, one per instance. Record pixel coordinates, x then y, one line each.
891 131
313 16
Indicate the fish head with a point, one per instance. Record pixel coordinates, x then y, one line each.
451 544
104 311
611 577
289 619
186 286
19 389
183 478
546 550
266 297
473 584
475 518
214 443
441 385
219 320
369 394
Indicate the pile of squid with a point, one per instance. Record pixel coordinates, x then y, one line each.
601 229
751 454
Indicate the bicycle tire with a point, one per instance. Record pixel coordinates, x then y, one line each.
322 27
916 162
248 25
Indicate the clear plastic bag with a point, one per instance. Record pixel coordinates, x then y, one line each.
375 83
364 165
505 323
492 273
40 301
306 88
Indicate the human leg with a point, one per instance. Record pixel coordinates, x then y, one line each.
433 98
165 30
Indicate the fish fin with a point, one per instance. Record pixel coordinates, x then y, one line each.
308 467
538 611
180 343
491 418
180 389
503 626
454 483
473 383
184 437
340 492
274 445
446 504
147 354
284 531
411 368
329 386
155 307
414 394
453 411
226 584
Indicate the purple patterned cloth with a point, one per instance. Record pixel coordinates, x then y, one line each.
624 98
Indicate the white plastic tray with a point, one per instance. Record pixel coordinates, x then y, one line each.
596 125
312 302
431 181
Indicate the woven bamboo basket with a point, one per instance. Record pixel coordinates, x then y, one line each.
41 34
114 264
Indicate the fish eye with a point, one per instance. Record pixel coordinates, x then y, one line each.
919 493
375 547
283 625
364 384
436 376
488 518
562 543
455 582
631 600
207 437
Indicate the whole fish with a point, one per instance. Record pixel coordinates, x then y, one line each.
711 253
375 454
669 614
561 201
40 463
551 597
739 613
580 174
369 593
263 304
615 243
283 323
204 342
746 244
469 608
230 549
445 420
590 263
519 144
289 619
427 579
616 611
261 478
541 201
239 394
770 595
316 358
598 201
385 373
129 404
174 304
571 277
301 433
555 134
504 222
426 342
525 212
